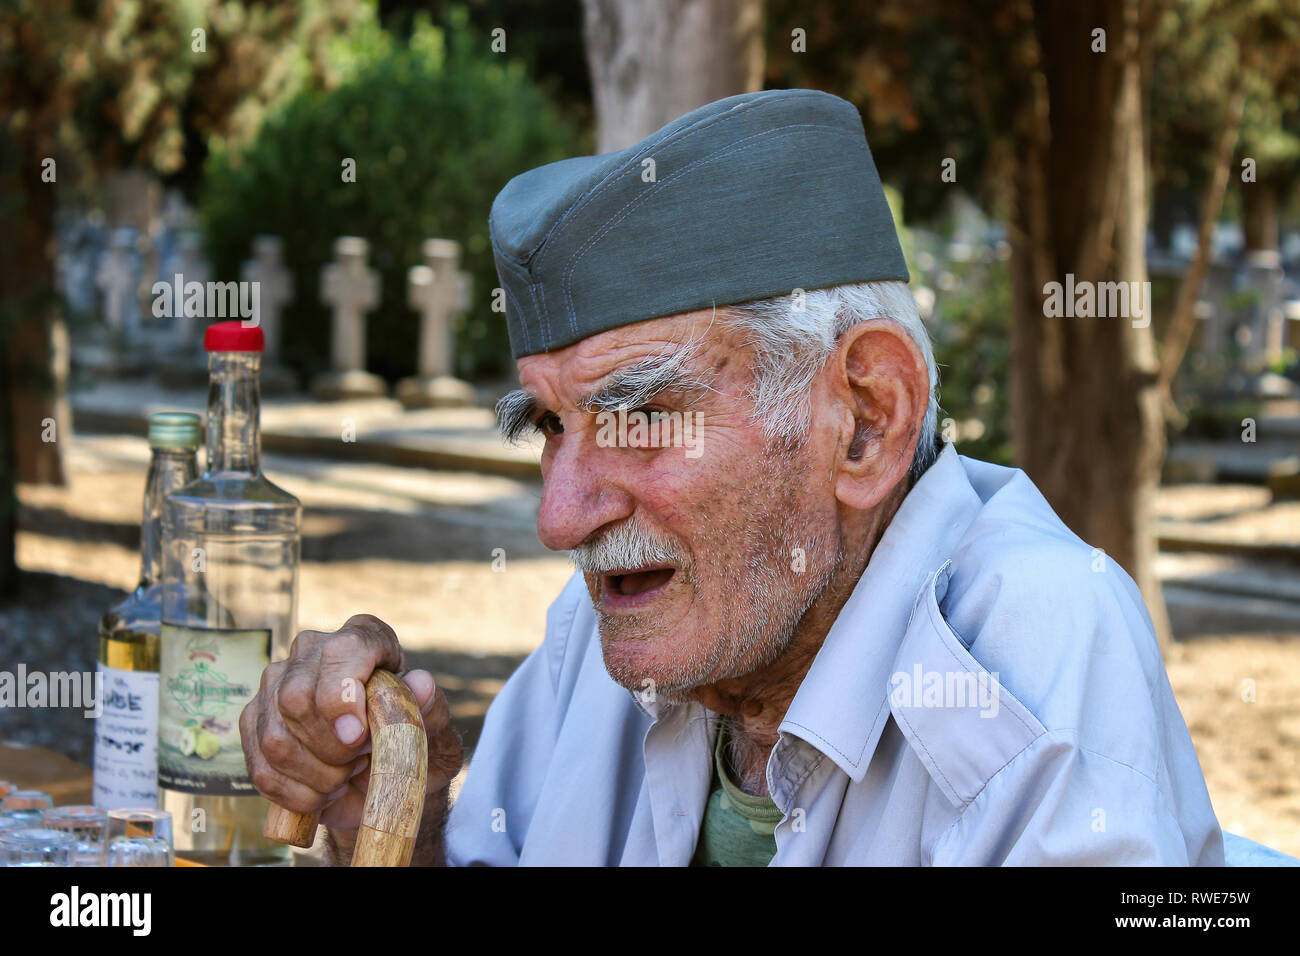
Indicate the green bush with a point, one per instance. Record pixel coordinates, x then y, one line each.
970 331
972 348
436 128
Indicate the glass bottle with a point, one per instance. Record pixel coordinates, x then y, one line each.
126 731
231 543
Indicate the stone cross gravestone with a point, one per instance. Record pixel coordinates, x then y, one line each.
192 266
80 250
439 291
118 279
351 289
173 219
177 215
88 278
123 348
1262 275
275 290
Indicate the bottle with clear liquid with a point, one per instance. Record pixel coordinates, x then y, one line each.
126 732
231 543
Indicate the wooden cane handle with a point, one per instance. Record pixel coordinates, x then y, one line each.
399 766
285 826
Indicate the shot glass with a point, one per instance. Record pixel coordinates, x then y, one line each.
13 824
37 846
26 805
87 825
140 838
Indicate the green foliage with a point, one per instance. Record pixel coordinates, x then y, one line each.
1219 421
111 85
1201 47
909 72
546 34
973 350
971 331
436 126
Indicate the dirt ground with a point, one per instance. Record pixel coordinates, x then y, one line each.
1249 749
417 549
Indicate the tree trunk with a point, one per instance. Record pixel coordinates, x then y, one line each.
1086 416
1261 222
35 360
8 497
652 62
1260 215
1182 325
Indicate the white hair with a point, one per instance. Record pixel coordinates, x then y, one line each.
793 335
624 548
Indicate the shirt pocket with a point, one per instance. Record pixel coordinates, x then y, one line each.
960 721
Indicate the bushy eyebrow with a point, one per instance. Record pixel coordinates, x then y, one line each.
515 414
626 388
639 383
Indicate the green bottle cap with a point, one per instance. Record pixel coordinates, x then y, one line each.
173 430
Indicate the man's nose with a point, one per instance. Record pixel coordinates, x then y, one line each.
580 493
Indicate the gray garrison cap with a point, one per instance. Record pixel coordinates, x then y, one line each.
747 198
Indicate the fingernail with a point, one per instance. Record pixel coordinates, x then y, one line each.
348 729
423 685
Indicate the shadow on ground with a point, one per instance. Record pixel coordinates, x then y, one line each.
329 534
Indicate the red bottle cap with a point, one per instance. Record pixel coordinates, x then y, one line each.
233 336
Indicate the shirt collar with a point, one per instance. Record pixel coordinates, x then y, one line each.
843 702
649 705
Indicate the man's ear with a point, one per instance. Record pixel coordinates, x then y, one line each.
880 377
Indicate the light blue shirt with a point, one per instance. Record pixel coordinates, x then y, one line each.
991 693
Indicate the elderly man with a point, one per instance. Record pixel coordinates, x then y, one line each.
803 631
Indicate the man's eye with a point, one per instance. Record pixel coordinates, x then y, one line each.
549 424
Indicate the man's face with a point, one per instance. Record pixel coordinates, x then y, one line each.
700 561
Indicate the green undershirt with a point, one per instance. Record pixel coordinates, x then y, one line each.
738 827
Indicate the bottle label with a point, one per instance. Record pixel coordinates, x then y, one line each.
207 676
126 740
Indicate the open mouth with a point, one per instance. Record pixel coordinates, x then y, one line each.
632 583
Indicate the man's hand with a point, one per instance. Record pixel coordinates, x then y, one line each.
305 736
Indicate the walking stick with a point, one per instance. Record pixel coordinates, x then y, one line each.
399 762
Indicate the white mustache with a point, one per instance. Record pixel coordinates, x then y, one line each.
623 549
